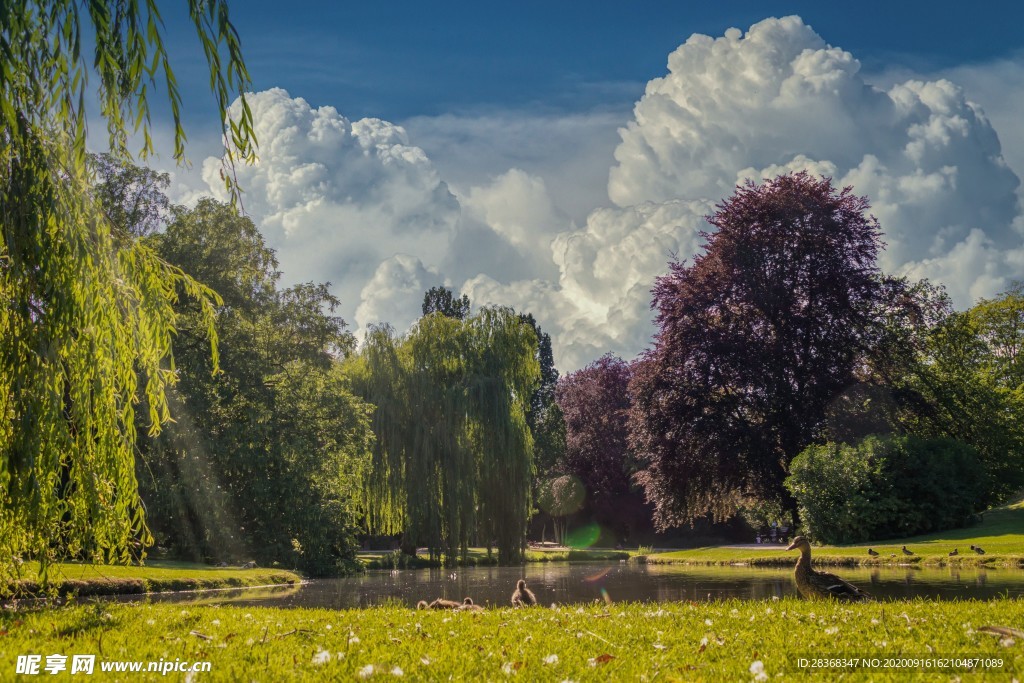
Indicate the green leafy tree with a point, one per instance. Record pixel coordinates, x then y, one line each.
885 487
453 458
266 455
87 321
441 300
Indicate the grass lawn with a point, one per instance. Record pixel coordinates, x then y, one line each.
156 576
1000 534
621 642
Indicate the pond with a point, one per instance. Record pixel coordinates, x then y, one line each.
573 583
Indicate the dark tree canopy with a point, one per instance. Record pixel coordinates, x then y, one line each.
441 300
756 338
595 403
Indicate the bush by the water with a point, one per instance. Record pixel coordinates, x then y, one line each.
883 487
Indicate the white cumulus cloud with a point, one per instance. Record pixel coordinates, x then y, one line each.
358 204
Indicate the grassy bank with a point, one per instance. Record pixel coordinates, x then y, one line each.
671 641
478 557
91 579
1000 534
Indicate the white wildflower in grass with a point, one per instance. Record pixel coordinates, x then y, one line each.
551 659
734 611
704 641
1007 641
768 610
150 622
190 677
366 671
831 630
757 670
215 622
425 661
321 657
397 671
507 669
708 622
874 622
659 646
353 639
247 616
751 618
592 663
328 627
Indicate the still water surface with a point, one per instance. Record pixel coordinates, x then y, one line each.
574 583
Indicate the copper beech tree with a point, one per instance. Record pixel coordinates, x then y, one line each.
756 338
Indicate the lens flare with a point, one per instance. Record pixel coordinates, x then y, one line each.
583 537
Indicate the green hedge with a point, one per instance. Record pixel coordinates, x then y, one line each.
885 487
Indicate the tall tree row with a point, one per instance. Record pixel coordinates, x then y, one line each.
453 458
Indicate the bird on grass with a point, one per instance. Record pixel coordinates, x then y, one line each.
978 550
815 584
954 552
441 603
523 596
907 552
872 552
469 606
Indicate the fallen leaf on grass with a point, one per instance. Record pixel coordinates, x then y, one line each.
604 659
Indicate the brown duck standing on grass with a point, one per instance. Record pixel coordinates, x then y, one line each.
872 552
815 584
907 552
954 553
978 550
523 596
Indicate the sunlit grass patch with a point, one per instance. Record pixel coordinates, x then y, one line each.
671 641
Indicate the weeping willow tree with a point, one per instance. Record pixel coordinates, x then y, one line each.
453 462
88 314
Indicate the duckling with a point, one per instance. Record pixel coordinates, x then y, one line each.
469 606
907 552
815 584
523 596
872 552
954 552
441 603
978 550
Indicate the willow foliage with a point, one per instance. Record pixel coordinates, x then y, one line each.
88 316
453 461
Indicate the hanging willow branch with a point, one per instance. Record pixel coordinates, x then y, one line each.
87 320
454 457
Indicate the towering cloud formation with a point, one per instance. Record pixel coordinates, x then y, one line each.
356 204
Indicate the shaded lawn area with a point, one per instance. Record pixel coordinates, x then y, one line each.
621 642
156 576
1000 534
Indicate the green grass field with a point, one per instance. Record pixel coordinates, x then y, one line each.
621 642
157 576
1000 534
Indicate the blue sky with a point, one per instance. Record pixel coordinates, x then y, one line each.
554 156
395 60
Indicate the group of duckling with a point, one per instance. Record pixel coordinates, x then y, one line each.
521 597
952 553
814 584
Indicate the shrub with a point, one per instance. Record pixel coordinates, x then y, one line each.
884 487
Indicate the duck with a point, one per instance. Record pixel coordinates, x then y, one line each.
872 552
907 552
978 550
523 596
815 584
422 604
469 606
954 552
441 603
